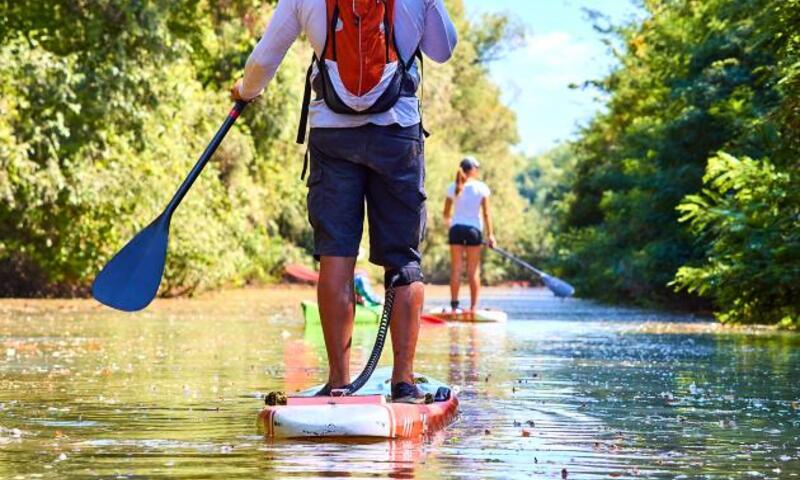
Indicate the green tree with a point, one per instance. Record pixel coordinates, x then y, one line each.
749 211
694 78
748 215
106 104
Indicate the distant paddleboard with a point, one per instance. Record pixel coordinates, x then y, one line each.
458 315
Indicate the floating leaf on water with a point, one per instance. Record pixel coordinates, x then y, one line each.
526 433
275 398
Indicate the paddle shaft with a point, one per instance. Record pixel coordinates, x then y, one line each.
519 261
205 157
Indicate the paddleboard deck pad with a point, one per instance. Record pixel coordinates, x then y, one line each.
479 316
367 414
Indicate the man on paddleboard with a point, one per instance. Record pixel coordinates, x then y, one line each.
365 146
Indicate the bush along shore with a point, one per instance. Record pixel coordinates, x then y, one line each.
685 191
106 106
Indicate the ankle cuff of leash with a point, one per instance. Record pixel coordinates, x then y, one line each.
400 277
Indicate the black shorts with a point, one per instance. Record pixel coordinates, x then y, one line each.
382 166
465 235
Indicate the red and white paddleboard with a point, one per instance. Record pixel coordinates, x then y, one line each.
482 315
367 414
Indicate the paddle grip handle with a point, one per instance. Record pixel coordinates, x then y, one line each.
205 157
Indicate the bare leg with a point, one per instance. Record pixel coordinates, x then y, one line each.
408 302
337 307
474 275
456 256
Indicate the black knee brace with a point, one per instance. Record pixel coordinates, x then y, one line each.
400 277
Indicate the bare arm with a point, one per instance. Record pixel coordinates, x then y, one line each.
448 210
487 221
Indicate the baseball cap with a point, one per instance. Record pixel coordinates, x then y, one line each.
468 163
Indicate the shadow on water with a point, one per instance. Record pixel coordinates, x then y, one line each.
563 388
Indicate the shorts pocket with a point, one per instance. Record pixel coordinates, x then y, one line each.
315 176
315 199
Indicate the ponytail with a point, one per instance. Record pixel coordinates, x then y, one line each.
461 179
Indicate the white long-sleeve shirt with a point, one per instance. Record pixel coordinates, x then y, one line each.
422 24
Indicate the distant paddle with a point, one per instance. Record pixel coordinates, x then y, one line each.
559 287
130 281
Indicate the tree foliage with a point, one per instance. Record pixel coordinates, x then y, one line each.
748 216
545 184
695 78
106 104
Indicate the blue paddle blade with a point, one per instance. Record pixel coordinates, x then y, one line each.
559 287
130 281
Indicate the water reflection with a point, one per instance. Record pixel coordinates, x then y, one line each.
564 387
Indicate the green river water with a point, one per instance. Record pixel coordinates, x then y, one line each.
563 390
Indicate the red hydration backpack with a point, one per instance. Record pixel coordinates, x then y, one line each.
360 71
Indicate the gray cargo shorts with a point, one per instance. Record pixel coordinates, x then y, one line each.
380 166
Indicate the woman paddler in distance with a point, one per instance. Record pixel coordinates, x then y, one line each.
467 198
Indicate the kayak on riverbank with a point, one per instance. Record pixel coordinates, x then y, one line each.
367 414
295 273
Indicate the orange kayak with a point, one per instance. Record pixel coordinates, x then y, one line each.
301 274
366 414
